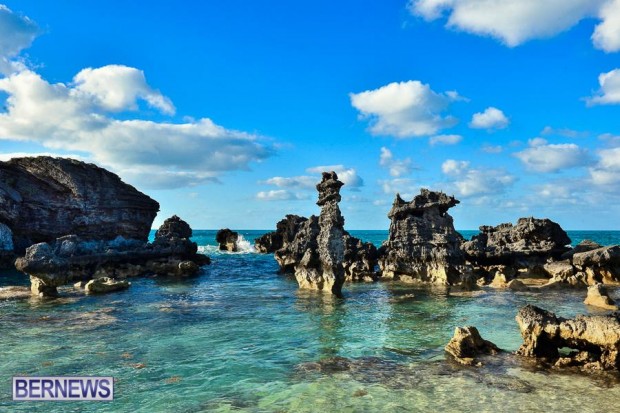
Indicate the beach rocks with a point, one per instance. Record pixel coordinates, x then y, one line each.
106 285
467 343
322 253
44 198
14 292
422 244
227 240
594 339
599 297
599 265
284 234
528 244
70 258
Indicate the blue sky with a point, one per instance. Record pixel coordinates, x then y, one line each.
226 112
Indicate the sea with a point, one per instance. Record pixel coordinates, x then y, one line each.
241 337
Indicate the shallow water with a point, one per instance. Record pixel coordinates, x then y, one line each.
240 337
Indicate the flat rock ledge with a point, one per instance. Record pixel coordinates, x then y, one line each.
467 344
594 340
106 285
71 259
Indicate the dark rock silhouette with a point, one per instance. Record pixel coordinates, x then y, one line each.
467 344
284 234
227 240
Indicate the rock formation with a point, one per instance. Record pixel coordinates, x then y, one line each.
529 243
70 258
44 198
227 240
321 253
594 339
599 265
284 234
467 343
422 244
106 285
7 254
599 297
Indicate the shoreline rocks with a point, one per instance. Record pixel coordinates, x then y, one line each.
285 232
599 297
423 245
467 344
227 240
43 198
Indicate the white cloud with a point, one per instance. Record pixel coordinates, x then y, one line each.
117 88
491 118
564 132
607 170
467 181
492 148
445 139
396 167
406 187
146 153
609 92
543 157
16 33
280 195
517 21
405 109
303 182
348 176
607 33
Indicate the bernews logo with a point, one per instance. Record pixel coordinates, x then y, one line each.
63 388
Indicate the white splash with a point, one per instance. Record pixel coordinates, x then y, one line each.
243 247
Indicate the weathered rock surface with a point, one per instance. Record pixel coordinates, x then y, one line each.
44 198
529 243
422 244
321 253
583 246
467 344
595 339
227 240
284 234
105 285
7 255
14 292
599 265
599 297
70 258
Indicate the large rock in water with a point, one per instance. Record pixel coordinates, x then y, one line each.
422 244
284 234
595 339
44 198
71 258
467 343
322 254
227 240
531 242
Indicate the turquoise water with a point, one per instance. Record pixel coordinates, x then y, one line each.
241 337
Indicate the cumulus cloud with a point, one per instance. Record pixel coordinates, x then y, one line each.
491 118
543 157
405 109
348 176
445 139
607 33
396 167
302 182
16 33
515 22
79 117
607 170
406 187
280 195
467 181
609 92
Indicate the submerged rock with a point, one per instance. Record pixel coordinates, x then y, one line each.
284 234
599 297
422 244
467 343
70 258
106 285
227 240
594 339
529 243
321 253
44 198
14 292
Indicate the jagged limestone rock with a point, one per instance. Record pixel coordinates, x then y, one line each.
467 343
227 240
599 297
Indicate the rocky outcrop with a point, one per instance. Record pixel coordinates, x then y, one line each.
467 344
71 258
284 234
599 297
422 244
7 254
44 198
322 254
595 340
583 246
227 240
528 244
599 265
105 285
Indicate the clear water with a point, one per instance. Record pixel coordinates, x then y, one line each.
240 337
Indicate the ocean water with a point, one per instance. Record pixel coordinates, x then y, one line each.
241 337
